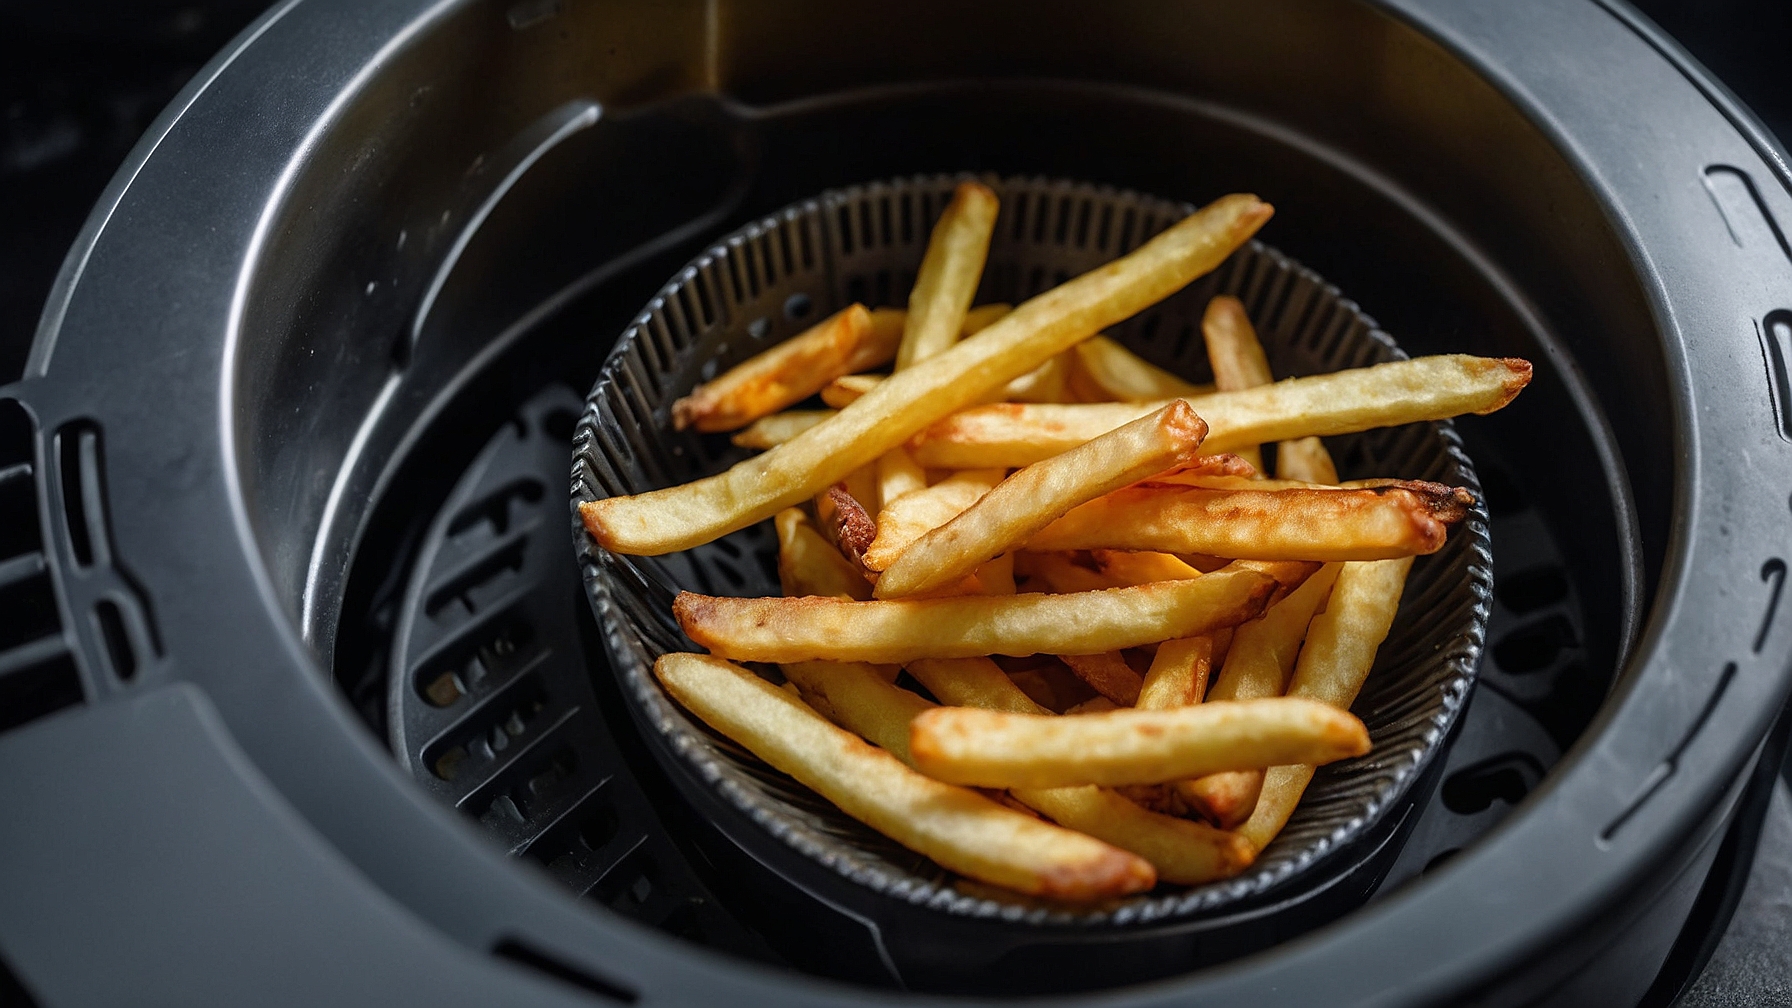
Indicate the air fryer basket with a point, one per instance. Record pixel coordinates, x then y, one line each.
774 277
368 236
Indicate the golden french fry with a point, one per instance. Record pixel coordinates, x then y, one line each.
847 388
858 697
774 430
1093 705
787 373
676 518
804 629
1301 524
1339 652
1051 684
960 829
897 474
1207 467
1307 460
982 317
1031 499
846 523
1239 363
1126 376
1048 383
1129 746
879 347
972 682
1178 674
914 514
1109 674
1447 504
1384 395
949 274
1096 570
1289 575
996 577
1257 665
809 565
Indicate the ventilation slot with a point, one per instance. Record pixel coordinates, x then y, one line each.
482 660
484 735
37 673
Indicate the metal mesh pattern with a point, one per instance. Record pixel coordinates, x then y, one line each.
775 277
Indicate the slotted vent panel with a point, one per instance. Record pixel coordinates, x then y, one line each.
37 673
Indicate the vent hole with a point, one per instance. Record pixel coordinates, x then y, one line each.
118 641
798 306
29 606
474 588
541 962
69 444
1535 647
627 887
1532 589
1507 777
38 690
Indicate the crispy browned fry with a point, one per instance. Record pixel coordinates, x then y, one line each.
1343 402
1180 854
676 518
809 565
847 388
787 373
949 274
1301 524
913 515
804 629
960 829
1129 746
1257 665
1307 460
1121 374
1178 674
846 523
768 432
1031 499
1340 651
1447 504
1109 674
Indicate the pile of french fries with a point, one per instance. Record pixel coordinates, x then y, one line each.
1045 619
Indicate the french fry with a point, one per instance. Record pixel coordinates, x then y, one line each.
809 565
1307 460
982 317
960 829
996 576
846 523
879 348
675 518
1182 852
1051 684
787 373
1258 665
897 474
949 274
847 388
1224 465
804 629
913 515
1123 375
1031 499
1097 570
1129 746
1289 575
774 430
1048 383
1447 504
1178 675
1339 652
1344 402
1240 363
1109 674
1301 524
858 697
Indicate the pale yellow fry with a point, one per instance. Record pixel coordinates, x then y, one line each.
810 565
1307 460
1181 851
960 829
676 518
1297 524
996 577
1340 651
1178 674
1047 383
914 514
1129 746
879 348
1109 674
787 373
1126 376
949 274
804 629
982 317
897 474
858 697
1258 664
1239 363
1343 402
847 388
1033 498
1123 568
768 432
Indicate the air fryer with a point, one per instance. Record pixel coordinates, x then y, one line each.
294 622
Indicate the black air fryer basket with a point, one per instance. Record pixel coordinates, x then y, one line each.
289 618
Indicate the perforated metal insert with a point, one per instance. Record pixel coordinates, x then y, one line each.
767 281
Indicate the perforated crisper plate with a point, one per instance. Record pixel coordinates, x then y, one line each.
771 279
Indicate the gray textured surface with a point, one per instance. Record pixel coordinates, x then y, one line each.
1753 963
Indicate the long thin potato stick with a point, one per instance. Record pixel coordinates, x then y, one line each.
1178 675
1109 674
1239 363
1095 570
879 348
1369 524
774 430
1125 376
1447 504
787 373
1129 746
676 518
809 565
1257 665
803 629
1340 651
982 317
1305 459
857 697
897 474
1033 498
847 388
960 829
996 576
949 274
1343 402
972 682
914 514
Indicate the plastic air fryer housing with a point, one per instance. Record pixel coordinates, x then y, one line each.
366 236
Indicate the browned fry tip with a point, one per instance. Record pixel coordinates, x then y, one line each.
848 524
